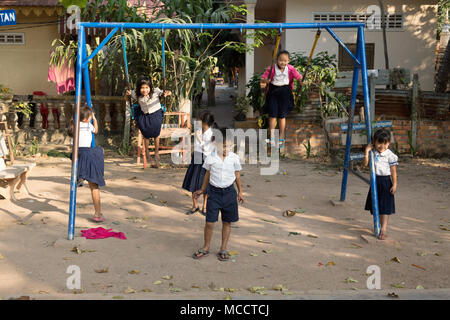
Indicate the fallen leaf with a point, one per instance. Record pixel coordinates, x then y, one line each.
264 241
233 253
281 195
1 257
67 258
267 251
293 233
438 254
421 254
77 250
146 290
392 295
350 280
157 282
167 277
300 210
398 285
331 263
219 289
231 290
129 290
134 271
195 286
124 209
256 289
356 246
445 229
286 292
43 292
105 270
396 259
270 221
253 254
79 291
312 236
417 266
320 264
163 201
227 297
279 287
117 297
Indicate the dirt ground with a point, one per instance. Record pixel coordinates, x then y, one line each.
148 206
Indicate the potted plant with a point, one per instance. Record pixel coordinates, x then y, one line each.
241 107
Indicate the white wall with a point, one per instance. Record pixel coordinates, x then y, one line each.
413 48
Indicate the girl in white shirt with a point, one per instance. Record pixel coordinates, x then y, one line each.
203 146
150 115
386 163
90 160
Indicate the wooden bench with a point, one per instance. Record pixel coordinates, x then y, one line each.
15 176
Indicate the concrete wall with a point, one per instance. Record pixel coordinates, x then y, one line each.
24 67
413 48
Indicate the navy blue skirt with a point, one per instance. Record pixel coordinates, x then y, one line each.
279 101
193 180
150 123
91 165
386 202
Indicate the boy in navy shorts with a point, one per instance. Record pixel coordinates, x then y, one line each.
222 170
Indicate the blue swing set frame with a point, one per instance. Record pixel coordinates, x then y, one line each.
360 64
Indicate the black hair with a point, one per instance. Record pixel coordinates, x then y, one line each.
143 80
208 118
283 52
381 136
85 113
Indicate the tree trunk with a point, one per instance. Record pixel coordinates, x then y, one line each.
442 81
212 92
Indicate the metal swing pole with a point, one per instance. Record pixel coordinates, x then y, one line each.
73 181
373 179
87 84
129 105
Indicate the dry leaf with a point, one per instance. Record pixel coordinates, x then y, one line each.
195 286
117 297
77 250
175 289
1 257
331 263
146 290
350 280
438 254
167 277
256 289
231 290
157 282
67 258
129 290
253 254
271 221
419 287
104 270
264 241
294 233
134 271
398 285
312 236
392 295
279 287
267 251
219 289
233 253
227 297
421 254
396 259
43 292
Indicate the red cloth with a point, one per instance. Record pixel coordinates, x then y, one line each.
101 233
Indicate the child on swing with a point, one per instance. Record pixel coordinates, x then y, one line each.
150 115
386 163
90 160
279 98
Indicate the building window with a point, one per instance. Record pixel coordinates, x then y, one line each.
12 38
345 62
394 22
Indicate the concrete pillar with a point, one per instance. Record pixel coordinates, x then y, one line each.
249 56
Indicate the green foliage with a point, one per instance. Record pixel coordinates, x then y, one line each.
3 91
254 94
58 154
242 105
34 148
68 3
412 148
22 107
443 7
124 148
308 149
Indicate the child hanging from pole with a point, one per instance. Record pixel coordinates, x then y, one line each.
150 115
386 163
222 171
279 98
90 160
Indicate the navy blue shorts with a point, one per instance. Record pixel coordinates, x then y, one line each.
279 101
386 201
224 200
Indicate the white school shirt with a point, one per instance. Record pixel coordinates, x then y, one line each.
384 161
280 78
205 146
150 103
85 139
222 173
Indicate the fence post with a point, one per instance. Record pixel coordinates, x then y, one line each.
414 110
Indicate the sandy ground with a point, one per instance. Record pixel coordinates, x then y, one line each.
161 238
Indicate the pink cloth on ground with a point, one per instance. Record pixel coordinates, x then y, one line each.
101 233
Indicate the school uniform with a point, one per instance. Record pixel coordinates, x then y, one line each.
383 163
222 196
195 173
150 115
279 98
90 160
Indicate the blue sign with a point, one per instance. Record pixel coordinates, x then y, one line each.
7 17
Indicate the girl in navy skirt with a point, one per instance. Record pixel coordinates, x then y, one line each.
90 160
150 115
386 163
203 146
279 98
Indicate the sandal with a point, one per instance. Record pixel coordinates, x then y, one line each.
192 211
203 212
382 236
99 219
281 143
223 255
200 254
